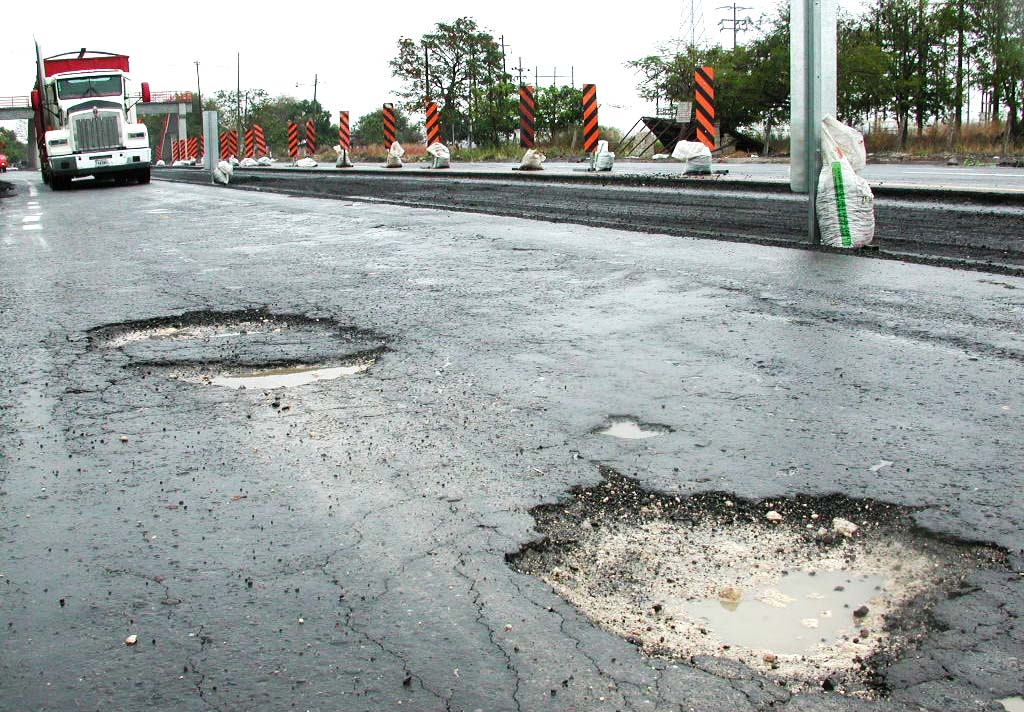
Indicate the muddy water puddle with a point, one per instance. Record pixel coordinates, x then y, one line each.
282 377
630 428
792 617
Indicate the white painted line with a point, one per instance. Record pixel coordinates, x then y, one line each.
32 191
32 227
41 241
30 219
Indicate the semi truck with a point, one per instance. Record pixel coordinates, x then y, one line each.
86 121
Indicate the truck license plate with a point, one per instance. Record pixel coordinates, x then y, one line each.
102 161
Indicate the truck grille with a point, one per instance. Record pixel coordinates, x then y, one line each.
94 132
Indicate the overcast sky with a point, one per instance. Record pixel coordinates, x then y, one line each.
280 47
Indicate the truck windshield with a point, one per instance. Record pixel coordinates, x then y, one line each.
89 86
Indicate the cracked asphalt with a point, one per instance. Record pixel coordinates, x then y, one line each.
348 552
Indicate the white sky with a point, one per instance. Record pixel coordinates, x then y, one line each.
351 54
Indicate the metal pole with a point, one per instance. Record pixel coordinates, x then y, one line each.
315 79
210 136
813 95
238 93
199 91
426 72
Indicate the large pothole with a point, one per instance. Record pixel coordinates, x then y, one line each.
807 590
252 348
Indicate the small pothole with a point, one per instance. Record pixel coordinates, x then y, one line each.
810 591
630 428
249 348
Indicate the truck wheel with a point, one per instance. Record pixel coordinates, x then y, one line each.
46 177
143 176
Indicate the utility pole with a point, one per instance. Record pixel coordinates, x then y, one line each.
426 72
504 69
315 79
199 91
238 93
736 24
520 70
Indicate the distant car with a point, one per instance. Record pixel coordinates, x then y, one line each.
3 163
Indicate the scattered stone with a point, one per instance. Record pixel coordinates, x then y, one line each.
773 516
770 658
131 639
860 612
730 594
124 438
844 526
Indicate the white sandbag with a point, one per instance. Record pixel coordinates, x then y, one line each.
222 173
846 207
179 164
233 161
839 141
306 162
264 161
248 163
532 160
343 160
696 157
603 158
395 153
161 164
442 156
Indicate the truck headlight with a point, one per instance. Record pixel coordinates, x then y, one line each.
58 142
137 134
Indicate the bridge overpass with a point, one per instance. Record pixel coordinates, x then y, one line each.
161 103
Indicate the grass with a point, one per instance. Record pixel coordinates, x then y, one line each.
937 140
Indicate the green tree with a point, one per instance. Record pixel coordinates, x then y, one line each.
368 130
456 65
559 110
15 150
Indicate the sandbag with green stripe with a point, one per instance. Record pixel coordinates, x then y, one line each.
846 206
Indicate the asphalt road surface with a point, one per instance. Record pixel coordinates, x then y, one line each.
341 545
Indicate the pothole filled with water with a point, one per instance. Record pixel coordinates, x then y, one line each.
251 348
276 377
630 428
809 591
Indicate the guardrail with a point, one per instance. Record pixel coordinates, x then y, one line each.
15 102
167 97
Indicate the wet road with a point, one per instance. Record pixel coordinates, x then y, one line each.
341 546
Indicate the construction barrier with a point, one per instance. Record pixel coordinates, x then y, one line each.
433 123
228 144
390 134
201 150
591 133
175 154
704 98
527 112
310 137
344 132
250 142
192 149
293 139
260 139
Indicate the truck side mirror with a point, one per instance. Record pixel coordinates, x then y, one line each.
146 95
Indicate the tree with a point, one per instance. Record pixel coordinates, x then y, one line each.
455 65
369 129
15 150
559 109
